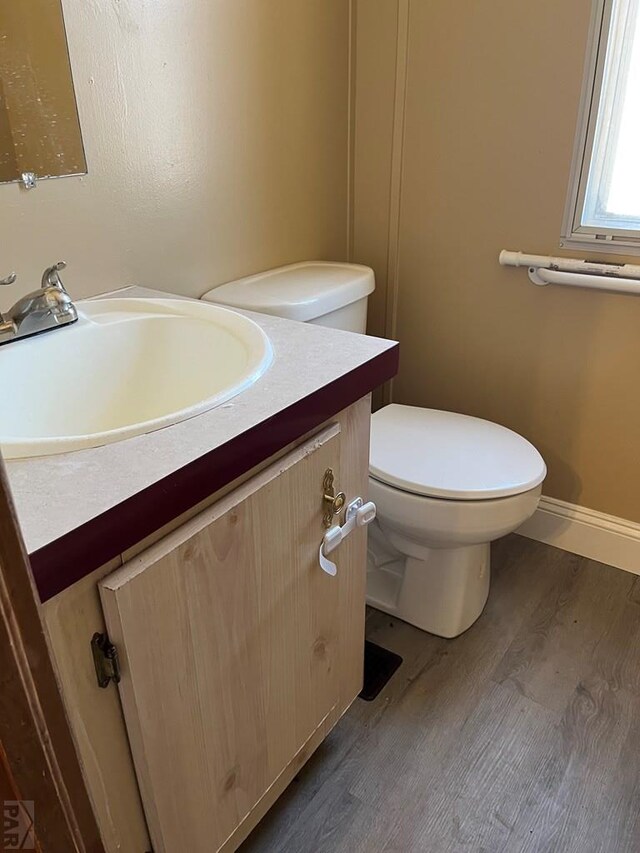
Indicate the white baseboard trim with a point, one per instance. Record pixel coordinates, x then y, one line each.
587 532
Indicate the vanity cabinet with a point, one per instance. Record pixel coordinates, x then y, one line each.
236 648
238 653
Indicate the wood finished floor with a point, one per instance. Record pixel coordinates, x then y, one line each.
522 735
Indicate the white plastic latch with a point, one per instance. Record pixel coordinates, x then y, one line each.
358 514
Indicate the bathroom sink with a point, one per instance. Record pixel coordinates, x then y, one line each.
127 367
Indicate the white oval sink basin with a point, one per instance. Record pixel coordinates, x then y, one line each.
127 367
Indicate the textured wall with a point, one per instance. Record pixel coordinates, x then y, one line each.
484 132
216 142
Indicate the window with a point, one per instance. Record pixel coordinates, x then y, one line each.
603 208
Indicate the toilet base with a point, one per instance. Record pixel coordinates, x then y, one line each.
442 592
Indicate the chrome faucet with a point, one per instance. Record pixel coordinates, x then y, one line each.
47 308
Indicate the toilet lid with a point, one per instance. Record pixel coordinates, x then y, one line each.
446 455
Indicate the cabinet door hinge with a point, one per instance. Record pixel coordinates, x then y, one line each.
105 659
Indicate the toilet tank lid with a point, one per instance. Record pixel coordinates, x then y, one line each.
303 291
448 455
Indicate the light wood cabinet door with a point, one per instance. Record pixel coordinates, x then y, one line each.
236 648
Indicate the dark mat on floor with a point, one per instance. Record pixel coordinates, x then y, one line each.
379 666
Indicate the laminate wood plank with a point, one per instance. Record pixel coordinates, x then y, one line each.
554 647
617 653
589 806
634 594
597 800
520 735
490 769
428 720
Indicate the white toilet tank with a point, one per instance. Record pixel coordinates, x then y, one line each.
327 294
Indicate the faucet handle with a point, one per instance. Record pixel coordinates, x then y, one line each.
9 279
50 277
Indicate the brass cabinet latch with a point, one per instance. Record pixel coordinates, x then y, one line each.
105 660
333 504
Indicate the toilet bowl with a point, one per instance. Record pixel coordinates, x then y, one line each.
445 484
429 558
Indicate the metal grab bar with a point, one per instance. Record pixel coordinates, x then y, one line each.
617 278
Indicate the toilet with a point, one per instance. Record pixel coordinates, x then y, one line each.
445 484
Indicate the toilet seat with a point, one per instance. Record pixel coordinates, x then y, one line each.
450 456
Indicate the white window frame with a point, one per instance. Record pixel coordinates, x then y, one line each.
574 234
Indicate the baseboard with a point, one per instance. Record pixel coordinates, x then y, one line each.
587 532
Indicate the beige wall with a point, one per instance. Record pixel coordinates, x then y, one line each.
216 136
216 142
489 119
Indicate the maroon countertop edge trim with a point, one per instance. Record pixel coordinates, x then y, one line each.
65 561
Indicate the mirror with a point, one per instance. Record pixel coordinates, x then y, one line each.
39 127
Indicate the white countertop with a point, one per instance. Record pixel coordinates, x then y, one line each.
56 494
